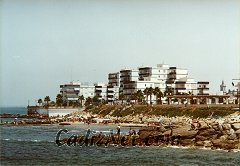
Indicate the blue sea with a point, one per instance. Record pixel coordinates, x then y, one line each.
35 145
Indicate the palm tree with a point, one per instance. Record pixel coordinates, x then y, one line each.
157 92
88 101
47 99
121 97
168 92
140 95
39 101
134 97
150 92
81 98
95 100
145 91
59 100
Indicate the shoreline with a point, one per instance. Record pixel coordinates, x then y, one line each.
222 132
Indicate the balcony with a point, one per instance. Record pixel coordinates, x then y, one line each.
129 87
125 71
203 94
203 82
98 91
172 73
203 88
98 86
180 88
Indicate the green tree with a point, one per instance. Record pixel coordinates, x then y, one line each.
88 101
95 100
134 97
145 91
59 100
148 92
81 98
158 93
52 103
140 96
121 97
168 92
46 100
39 102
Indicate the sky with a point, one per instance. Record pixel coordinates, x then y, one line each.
45 43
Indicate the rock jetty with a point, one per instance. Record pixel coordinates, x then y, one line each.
209 133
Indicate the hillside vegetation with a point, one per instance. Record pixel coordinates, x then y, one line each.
201 111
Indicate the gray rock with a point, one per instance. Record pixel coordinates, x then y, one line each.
236 126
185 133
206 133
187 142
199 143
226 126
201 138
207 143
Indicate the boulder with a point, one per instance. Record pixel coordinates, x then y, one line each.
207 133
238 133
236 126
186 142
227 144
232 134
185 133
151 130
223 137
199 143
207 143
226 126
201 138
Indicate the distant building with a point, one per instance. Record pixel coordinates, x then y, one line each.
153 76
127 82
185 86
113 79
176 74
112 93
70 92
223 88
87 90
203 88
101 91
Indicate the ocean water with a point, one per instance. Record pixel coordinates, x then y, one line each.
13 110
35 145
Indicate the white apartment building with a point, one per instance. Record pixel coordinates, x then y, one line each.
70 92
87 90
176 74
113 79
185 86
101 91
127 82
112 93
153 76
203 88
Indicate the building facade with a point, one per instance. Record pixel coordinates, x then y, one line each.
70 92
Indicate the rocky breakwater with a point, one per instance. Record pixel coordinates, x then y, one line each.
210 133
